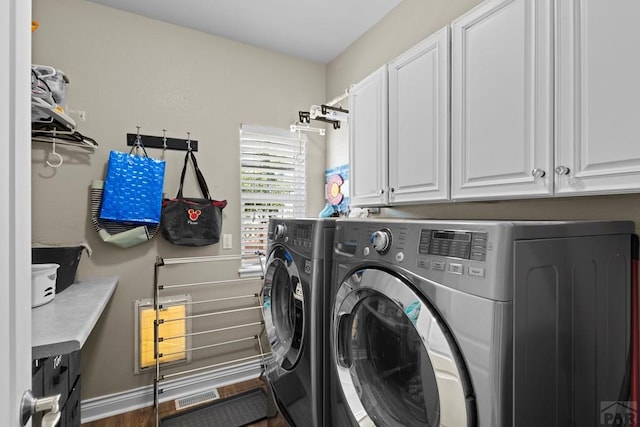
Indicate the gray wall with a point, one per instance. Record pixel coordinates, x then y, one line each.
410 22
127 71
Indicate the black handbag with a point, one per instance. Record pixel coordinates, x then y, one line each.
188 221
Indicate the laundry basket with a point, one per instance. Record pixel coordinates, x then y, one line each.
43 283
67 257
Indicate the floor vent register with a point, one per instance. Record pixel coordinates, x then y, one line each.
235 411
197 399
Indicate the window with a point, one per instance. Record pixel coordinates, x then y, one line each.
272 185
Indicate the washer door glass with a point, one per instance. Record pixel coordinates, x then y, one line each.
283 307
396 361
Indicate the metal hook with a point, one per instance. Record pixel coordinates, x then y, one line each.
138 142
53 152
164 140
188 141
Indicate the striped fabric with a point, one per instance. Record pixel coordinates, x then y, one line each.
120 234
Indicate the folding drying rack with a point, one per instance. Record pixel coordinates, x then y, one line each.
254 303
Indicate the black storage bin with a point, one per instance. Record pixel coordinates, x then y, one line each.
67 257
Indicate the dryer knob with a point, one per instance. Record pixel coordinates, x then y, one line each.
381 241
279 231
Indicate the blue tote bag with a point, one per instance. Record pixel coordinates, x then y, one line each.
133 188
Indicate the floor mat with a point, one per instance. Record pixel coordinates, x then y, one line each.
234 411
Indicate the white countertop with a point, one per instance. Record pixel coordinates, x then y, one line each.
63 325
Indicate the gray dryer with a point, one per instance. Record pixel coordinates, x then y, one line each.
478 323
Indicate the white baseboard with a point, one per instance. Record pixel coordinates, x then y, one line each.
118 403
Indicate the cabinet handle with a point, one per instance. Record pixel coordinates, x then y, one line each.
563 170
538 173
381 191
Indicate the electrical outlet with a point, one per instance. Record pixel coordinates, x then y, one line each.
226 241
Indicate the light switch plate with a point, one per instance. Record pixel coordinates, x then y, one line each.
226 241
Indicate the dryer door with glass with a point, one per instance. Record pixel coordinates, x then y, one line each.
397 362
283 308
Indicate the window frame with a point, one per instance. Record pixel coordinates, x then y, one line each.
280 147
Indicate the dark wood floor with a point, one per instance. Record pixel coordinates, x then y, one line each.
146 417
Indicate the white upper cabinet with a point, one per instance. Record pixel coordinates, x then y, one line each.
597 96
368 140
538 110
399 128
502 100
419 122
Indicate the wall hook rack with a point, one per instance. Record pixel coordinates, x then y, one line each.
162 142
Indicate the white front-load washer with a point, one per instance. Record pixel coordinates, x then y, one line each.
478 323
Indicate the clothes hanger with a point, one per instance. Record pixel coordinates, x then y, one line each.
44 132
53 152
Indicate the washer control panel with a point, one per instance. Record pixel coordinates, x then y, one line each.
472 256
449 252
454 244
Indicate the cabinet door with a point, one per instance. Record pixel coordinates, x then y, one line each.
502 98
419 122
598 96
368 140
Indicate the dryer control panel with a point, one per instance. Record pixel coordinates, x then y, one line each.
309 237
300 235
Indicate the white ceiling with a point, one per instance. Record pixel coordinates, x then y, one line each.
317 30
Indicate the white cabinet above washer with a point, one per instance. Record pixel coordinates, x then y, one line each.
545 99
597 96
502 100
399 128
368 140
419 122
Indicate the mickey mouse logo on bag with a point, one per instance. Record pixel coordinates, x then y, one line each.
194 214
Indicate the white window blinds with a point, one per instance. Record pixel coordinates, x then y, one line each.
272 183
